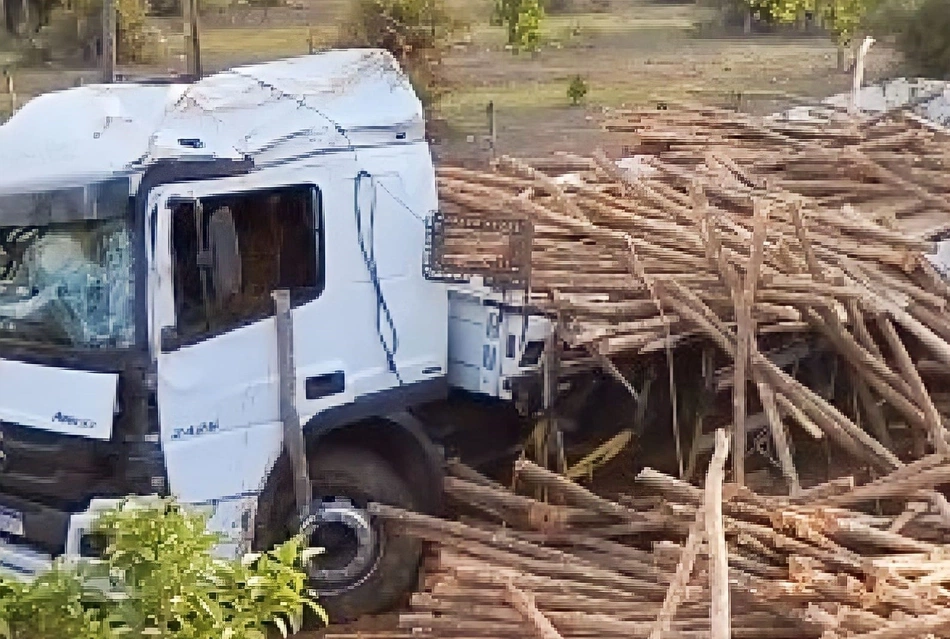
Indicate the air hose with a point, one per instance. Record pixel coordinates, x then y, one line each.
383 314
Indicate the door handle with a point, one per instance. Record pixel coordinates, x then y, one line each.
321 386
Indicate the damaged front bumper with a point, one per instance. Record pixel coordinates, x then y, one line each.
22 560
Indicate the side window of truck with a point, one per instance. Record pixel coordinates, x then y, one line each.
231 251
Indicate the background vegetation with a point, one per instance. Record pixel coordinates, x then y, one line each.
158 578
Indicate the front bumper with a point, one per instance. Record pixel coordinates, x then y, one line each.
24 561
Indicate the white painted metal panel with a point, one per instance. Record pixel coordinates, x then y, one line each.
271 112
59 400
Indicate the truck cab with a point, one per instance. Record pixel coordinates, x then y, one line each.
144 229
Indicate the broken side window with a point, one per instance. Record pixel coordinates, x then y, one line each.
231 252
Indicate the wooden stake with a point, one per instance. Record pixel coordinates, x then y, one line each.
720 614
294 444
708 522
107 62
192 38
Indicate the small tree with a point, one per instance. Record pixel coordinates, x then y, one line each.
843 18
522 19
577 89
130 30
164 583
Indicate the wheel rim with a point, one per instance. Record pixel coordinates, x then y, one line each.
351 543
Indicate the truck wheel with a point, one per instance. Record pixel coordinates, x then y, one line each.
362 569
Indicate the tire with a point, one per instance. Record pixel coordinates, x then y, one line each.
361 477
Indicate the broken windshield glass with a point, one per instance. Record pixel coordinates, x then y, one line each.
66 267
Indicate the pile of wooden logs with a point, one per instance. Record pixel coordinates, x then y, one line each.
758 242
704 249
893 168
679 561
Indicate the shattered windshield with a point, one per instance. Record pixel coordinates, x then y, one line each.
66 272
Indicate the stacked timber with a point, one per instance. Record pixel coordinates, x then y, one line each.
638 265
756 243
679 561
892 168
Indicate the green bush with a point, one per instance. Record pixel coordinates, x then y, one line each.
158 578
577 89
130 31
925 39
522 19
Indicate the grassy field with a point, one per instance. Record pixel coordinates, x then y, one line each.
639 53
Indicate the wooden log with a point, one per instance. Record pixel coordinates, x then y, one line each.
525 605
573 492
516 508
932 418
937 346
872 370
684 568
910 627
899 487
830 488
720 611
462 471
779 438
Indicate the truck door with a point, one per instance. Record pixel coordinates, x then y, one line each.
222 248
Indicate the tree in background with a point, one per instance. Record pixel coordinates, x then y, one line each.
130 26
522 18
416 32
924 38
129 30
842 18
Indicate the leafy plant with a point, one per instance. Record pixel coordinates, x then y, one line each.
130 30
577 89
843 18
522 19
159 578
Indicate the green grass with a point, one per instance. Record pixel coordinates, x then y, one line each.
583 27
551 94
223 47
646 17
271 42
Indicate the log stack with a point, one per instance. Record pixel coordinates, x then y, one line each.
892 168
758 242
709 248
679 561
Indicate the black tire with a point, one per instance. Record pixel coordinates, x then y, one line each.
362 477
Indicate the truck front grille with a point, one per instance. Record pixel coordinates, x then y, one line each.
59 471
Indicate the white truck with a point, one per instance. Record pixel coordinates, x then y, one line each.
144 229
